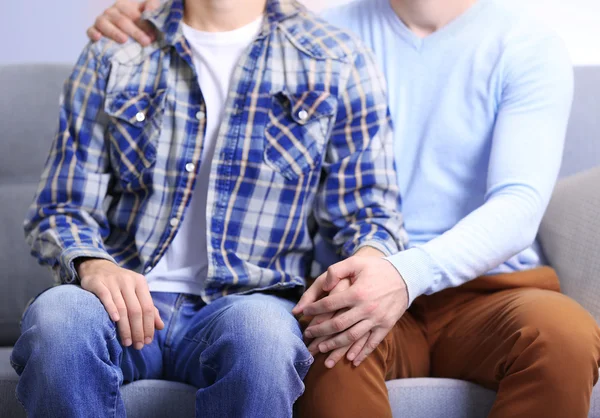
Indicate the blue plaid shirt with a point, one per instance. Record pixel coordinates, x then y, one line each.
305 143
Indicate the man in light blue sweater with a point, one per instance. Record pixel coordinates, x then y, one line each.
480 97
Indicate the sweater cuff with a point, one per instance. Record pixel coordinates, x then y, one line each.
418 271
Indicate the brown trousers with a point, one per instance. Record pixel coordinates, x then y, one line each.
513 333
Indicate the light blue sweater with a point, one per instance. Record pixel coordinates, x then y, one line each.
480 110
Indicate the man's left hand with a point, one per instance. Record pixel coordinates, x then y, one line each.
375 301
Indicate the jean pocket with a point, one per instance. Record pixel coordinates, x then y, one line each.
303 366
133 131
296 132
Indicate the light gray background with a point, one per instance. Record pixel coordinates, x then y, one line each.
54 30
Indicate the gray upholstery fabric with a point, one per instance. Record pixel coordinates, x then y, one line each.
9 406
28 117
570 237
447 398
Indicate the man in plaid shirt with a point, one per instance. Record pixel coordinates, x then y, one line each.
182 194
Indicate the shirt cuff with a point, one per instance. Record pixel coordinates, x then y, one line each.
418 271
387 247
67 272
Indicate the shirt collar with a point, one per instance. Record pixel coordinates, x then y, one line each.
168 17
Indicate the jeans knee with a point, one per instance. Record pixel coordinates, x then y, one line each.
266 333
64 314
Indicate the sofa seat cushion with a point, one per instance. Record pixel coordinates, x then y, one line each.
410 398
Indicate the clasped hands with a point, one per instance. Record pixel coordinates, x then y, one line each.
353 306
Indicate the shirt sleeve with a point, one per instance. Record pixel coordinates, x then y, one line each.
66 219
358 202
526 152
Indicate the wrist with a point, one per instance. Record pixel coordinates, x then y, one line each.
83 264
368 251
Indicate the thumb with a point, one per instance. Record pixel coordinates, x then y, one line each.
347 269
312 294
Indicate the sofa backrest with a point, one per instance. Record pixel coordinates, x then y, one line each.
582 149
28 121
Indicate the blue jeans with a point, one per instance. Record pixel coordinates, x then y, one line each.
245 355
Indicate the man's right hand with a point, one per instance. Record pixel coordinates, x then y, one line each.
125 297
123 20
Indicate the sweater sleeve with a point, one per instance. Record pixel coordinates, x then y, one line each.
526 151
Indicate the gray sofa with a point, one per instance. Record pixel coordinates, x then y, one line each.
570 236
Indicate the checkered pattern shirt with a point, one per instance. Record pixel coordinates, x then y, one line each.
305 143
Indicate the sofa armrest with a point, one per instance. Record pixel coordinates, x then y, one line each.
570 237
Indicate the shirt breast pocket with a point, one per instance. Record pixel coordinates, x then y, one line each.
296 132
135 122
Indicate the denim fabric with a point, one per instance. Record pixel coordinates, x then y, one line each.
244 352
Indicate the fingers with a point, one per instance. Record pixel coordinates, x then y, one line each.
134 312
357 347
312 294
108 29
342 270
346 338
336 356
103 293
93 34
124 16
335 325
130 9
158 322
123 323
148 309
313 347
150 5
331 303
341 286
376 337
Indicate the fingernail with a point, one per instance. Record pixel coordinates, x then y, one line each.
146 41
139 346
356 363
329 364
127 342
115 317
351 356
308 334
148 340
323 348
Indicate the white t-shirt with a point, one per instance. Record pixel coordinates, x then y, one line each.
184 266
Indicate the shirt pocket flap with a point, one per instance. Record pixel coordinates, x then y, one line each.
307 106
134 107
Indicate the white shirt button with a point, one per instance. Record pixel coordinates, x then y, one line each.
303 114
140 117
200 115
189 167
173 222
148 270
